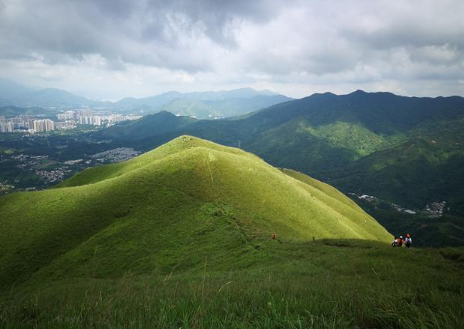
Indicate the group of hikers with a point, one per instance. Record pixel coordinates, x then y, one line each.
397 241
400 241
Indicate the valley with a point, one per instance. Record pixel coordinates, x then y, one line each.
34 162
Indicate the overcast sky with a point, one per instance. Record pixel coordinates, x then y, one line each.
108 49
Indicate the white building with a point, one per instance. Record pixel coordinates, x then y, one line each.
6 127
43 125
69 115
39 126
49 125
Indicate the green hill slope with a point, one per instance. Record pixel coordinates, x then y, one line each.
180 238
184 201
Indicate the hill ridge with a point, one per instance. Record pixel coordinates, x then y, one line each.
185 200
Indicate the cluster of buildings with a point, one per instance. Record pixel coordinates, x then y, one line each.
86 117
25 123
66 120
43 125
432 210
435 209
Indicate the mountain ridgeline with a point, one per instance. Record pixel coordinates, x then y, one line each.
402 150
13 94
204 105
184 201
210 104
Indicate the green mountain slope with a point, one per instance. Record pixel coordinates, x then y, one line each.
178 204
403 150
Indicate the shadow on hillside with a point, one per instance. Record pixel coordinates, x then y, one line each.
353 243
338 243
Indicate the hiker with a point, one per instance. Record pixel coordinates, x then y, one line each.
408 241
273 236
400 241
394 241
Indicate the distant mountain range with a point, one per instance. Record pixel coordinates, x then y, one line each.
209 104
10 90
405 151
12 111
13 94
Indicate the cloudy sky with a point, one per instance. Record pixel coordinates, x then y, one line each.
108 49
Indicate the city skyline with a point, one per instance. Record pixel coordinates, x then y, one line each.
65 121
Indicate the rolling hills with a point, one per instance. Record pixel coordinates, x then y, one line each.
401 150
203 105
186 200
11 111
181 237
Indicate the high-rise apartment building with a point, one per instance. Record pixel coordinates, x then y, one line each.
49 125
39 126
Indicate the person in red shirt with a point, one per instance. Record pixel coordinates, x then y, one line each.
408 241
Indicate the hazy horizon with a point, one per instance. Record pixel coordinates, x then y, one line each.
114 100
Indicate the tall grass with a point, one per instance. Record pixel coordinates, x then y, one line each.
313 292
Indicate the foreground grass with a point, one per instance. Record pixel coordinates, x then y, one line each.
326 284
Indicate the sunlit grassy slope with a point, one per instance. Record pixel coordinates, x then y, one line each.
184 201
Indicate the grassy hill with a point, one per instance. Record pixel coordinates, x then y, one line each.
185 200
323 284
404 150
180 237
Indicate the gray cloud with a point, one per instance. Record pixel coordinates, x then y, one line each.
142 32
217 43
